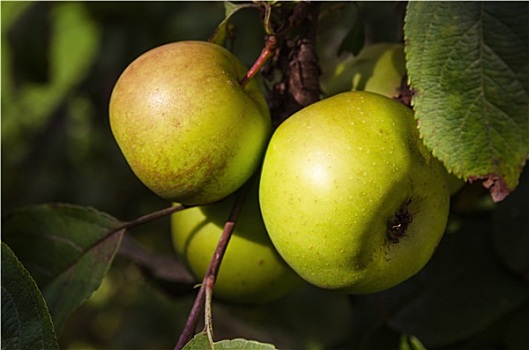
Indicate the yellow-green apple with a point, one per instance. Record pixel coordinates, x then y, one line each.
455 184
187 128
251 271
350 196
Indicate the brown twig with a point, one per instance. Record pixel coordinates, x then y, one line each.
150 217
266 53
123 226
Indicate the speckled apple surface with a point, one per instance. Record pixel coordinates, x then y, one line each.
187 128
333 179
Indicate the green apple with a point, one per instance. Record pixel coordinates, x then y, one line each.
350 196
251 272
455 184
379 68
187 128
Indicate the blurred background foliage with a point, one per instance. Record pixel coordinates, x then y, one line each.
60 61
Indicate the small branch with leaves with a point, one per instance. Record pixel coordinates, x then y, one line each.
206 288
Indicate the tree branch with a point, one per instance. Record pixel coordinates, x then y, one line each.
297 61
150 217
213 268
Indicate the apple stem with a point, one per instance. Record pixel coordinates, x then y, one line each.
206 288
266 53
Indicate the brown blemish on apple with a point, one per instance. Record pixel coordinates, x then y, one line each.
397 225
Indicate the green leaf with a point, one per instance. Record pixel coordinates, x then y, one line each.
26 323
382 21
355 39
462 290
242 344
67 249
379 68
11 10
223 30
468 64
201 342
410 343
508 332
74 45
336 47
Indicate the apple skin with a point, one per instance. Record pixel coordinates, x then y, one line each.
455 184
187 128
334 177
251 271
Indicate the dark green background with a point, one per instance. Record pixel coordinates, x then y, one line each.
473 294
